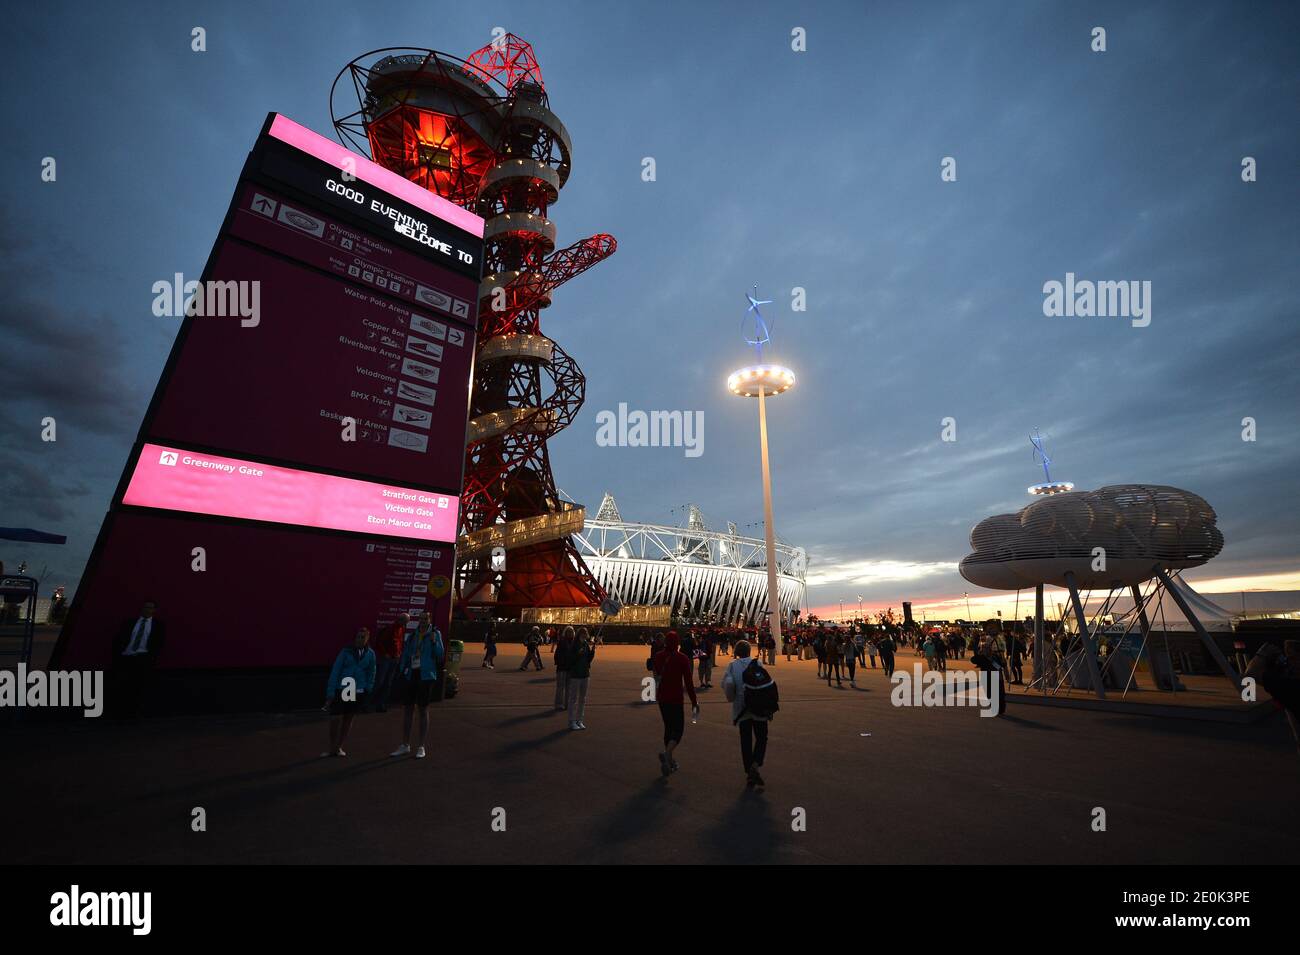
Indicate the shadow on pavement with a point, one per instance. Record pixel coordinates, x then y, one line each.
746 834
527 745
646 812
1032 724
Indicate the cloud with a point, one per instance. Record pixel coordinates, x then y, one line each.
865 573
28 488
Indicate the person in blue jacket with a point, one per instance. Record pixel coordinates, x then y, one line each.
351 678
421 659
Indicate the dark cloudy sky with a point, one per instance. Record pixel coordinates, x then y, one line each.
819 170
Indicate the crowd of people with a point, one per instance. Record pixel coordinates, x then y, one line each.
409 660
680 665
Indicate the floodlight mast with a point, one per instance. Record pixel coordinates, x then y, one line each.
761 380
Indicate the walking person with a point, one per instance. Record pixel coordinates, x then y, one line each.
388 649
531 653
872 650
705 654
351 678
1016 650
886 646
688 650
831 649
851 661
985 658
563 655
421 658
752 693
581 653
490 645
672 683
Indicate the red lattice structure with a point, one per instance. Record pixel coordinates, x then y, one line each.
480 133
509 60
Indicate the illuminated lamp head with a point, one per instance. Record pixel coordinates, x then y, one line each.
773 379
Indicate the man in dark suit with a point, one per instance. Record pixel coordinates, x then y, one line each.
136 650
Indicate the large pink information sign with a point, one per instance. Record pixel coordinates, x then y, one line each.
308 431
173 479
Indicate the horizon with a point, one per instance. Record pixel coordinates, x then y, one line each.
925 297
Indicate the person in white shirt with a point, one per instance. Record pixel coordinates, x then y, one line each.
753 729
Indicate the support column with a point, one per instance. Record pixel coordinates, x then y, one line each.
773 595
1040 651
1089 650
1145 624
1211 647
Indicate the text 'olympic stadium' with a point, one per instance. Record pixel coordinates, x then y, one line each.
702 574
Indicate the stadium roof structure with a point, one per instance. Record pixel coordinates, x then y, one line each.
703 574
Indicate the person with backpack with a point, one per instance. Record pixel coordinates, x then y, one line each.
532 654
753 696
673 678
928 648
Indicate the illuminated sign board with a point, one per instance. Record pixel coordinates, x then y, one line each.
312 445
177 480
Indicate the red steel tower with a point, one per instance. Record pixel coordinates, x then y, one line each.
480 132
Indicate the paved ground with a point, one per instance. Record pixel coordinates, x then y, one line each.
928 785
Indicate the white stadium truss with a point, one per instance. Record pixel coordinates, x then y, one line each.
700 573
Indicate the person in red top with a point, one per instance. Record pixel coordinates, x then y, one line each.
673 678
388 650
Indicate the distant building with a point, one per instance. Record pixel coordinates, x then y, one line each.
701 573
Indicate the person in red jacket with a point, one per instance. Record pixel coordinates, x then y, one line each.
388 650
672 679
